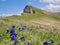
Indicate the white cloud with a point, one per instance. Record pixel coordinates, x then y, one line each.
50 1
52 5
6 15
21 12
52 8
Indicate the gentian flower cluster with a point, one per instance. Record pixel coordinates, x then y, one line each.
48 42
13 35
22 27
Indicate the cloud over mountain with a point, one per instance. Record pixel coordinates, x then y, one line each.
50 1
52 5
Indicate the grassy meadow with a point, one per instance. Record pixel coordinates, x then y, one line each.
44 25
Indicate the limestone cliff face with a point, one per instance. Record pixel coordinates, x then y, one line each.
29 9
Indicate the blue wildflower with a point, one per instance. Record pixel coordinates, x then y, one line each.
22 27
48 42
12 29
15 34
7 31
28 43
13 37
12 32
51 41
25 27
13 26
22 38
15 42
45 43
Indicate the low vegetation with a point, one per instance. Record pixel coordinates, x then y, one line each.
40 28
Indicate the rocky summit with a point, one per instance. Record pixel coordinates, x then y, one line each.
29 9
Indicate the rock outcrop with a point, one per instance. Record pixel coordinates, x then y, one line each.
29 9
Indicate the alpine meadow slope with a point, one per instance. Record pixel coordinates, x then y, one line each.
42 26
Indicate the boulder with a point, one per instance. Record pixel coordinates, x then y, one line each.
29 9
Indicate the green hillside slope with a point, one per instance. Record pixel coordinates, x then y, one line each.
44 26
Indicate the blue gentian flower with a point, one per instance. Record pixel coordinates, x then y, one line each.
13 37
0 36
7 31
15 34
15 42
12 29
45 43
13 26
25 27
48 42
22 27
28 43
22 38
51 41
12 32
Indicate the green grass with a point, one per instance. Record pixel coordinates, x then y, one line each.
35 36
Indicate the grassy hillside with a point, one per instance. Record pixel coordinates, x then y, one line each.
44 26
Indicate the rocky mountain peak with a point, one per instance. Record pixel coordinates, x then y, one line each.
29 9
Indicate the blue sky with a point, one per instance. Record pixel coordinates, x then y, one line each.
17 6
